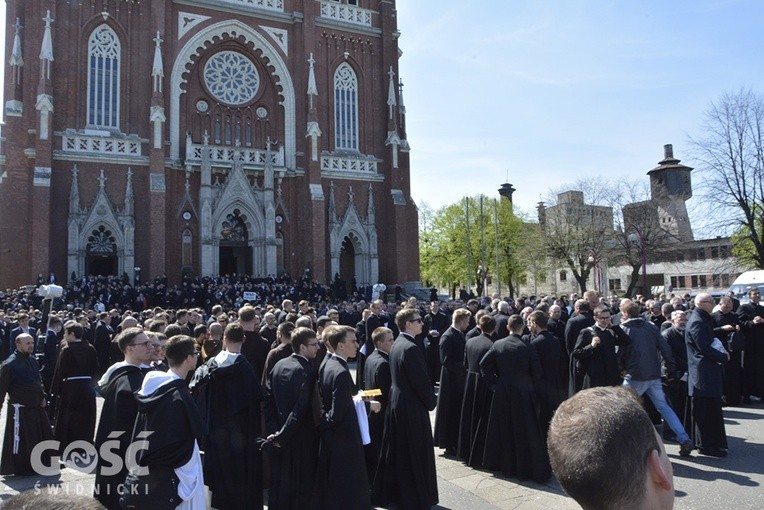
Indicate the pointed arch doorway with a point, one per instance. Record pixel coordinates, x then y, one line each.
101 253
348 263
235 253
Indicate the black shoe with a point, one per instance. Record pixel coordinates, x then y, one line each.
685 449
713 452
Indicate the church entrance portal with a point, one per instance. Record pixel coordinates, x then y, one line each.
235 254
235 259
347 262
101 265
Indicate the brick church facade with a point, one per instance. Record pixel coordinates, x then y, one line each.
205 137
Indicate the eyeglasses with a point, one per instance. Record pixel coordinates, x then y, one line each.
313 344
141 343
418 319
605 318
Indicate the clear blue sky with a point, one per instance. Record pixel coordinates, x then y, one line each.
549 91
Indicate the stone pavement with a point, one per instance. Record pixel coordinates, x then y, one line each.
700 482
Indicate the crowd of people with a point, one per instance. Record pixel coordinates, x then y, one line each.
257 402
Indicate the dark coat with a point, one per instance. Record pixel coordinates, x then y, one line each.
704 362
342 480
364 331
753 360
476 403
514 441
288 414
117 414
434 322
377 376
20 380
599 365
74 386
574 326
501 331
229 399
733 370
550 388
406 472
451 394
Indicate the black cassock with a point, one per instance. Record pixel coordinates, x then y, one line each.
364 339
74 386
733 370
406 471
550 388
514 443
20 379
342 480
288 414
451 393
377 376
753 355
599 364
676 389
228 394
117 414
476 404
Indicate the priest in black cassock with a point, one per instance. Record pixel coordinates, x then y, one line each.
27 422
452 378
120 408
74 387
228 394
476 404
514 443
342 480
406 472
595 351
550 388
377 376
289 419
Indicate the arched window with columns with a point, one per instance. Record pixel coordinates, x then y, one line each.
103 78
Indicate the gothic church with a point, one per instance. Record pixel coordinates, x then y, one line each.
205 137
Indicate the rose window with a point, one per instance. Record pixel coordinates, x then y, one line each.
231 78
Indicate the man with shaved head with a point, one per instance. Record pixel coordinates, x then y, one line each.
27 422
705 357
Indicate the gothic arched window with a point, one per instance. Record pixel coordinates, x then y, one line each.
101 240
103 78
345 108
186 253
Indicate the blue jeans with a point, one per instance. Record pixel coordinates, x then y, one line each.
654 390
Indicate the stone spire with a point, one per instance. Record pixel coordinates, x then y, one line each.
46 52
74 192
332 204
157 69
44 102
313 130
392 128
16 58
391 100
401 106
129 196
370 212
312 88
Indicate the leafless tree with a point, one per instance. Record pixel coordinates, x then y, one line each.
729 153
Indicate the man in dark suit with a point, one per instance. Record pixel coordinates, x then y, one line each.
751 315
103 336
377 376
705 357
23 327
372 322
551 388
502 318
583 318
435 324
406 471
289 418
452 379
342 481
